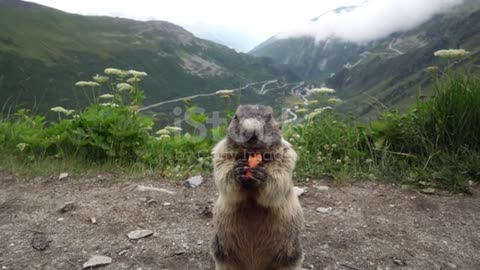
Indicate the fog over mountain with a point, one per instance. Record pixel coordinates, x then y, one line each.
374 19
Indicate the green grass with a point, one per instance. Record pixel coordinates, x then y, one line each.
451 120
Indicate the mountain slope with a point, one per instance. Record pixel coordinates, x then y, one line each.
389 70
44 51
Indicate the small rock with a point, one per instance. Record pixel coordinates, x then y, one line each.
63 176
151 202
97 260
451 265
322 188
399 262
67 207
200 242
145 188
195 181
93 220
299 191
392 205
123 252
180 252
428 190
323 210
60 219
40 241
135 235
166 204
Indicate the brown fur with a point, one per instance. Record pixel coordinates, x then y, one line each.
257 229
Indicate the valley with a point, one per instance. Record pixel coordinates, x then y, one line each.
388 71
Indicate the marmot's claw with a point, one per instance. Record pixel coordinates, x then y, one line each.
259 173
240 170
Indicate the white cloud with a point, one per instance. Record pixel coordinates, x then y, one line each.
373 20
256 20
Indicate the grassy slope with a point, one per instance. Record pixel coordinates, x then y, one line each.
396 81
382 74
43 52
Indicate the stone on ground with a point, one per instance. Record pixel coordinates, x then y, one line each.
137 234
97 260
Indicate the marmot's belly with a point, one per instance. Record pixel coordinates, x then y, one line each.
258 237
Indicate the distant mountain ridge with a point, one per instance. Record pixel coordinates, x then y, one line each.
44 51
389 70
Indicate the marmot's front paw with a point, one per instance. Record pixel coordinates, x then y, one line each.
257 178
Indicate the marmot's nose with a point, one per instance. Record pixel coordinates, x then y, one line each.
251 125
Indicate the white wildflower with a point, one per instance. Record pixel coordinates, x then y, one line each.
323 90
137 74
86 84
334 100
173 129
339 161
312 102
124 87
317 112
431 69
134 80
69 112
116 72
301 110
312 115
163 132
109 104
451 53
22 146
58 109
100 79
106 96
162 137
334 146
326 108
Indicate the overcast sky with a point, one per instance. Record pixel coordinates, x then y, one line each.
260 19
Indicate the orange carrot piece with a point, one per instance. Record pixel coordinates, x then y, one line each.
253 161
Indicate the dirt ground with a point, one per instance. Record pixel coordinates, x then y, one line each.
366 225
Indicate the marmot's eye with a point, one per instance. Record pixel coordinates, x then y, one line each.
235 117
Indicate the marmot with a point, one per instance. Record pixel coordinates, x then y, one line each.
257 217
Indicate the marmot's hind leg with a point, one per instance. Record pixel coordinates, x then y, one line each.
222 256
291 259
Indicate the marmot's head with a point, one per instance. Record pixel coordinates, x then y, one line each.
254 128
